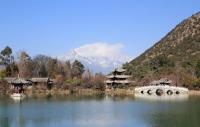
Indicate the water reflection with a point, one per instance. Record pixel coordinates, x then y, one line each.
164 97
98 111
180 114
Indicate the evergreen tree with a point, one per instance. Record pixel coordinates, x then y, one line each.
6 56
77 68
7 60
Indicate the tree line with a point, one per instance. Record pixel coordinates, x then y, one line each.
66 74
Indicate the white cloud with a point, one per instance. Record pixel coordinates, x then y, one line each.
101 50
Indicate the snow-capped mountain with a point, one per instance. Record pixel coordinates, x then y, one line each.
96 63
98 57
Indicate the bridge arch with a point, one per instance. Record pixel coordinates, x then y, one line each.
159 92
150 92
169 92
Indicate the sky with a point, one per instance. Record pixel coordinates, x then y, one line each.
54 27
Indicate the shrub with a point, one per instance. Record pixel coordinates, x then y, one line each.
161 61
74 81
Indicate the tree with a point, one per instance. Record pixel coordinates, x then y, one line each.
7 60
77 69
25 65
197 69
23 56
52 67
6 56
67 70
161 61
42 71
98 81
7 51
11 70
87 77
41 63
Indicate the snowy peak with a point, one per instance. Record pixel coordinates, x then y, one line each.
98 57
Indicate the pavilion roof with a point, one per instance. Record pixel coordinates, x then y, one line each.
118 81
118 76
19 81
39 79
120 70
161 81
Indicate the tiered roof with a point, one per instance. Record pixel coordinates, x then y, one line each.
118 78
19 81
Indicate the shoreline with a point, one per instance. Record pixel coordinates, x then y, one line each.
194 92
117 91
124 92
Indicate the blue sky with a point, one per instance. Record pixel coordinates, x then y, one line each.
54 27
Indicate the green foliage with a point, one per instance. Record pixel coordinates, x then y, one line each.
188 80
2 74
198 69
74 81
11 70
161 61
7 61
77 68
7 51
6 57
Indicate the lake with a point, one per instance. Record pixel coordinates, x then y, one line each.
99 111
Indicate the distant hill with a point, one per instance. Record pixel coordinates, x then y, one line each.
176 56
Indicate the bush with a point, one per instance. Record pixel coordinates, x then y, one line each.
74 81
2 74
161 61
95 82
59 79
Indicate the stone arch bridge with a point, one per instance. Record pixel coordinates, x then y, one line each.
161 89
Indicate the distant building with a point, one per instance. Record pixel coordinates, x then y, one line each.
117 78
31 81
163 81
18 85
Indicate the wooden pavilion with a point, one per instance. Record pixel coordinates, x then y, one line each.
117 78
19 84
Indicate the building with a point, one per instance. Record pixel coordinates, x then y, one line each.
117 79
163 81
18 85
30 81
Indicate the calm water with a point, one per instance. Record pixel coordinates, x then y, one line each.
99 111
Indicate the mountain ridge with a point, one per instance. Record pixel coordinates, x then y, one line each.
172 55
